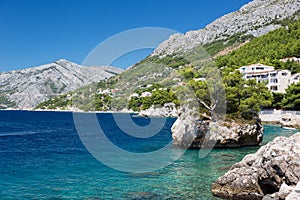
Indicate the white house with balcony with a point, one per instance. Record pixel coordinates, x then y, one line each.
276 80
295 79
255 68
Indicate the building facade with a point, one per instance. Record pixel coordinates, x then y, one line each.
275 80
295 79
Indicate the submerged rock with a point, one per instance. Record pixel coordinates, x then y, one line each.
271 173
192 131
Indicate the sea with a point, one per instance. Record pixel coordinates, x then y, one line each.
42 156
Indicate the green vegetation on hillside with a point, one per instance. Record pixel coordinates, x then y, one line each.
267 49
159 96
291 101
57 102
174 61
5 102
219 45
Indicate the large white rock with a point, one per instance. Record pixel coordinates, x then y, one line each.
190 131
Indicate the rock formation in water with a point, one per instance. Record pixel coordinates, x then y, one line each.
193 131
271 173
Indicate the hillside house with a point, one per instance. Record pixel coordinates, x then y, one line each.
276 80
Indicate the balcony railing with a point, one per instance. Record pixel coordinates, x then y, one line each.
282 112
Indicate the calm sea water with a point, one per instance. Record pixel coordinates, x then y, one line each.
42 157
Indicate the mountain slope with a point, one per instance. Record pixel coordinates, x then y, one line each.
24 89
268 49
170 69
256 18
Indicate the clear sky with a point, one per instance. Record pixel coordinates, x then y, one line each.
35 32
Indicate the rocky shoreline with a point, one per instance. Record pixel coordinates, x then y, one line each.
168 110
271 173
287 120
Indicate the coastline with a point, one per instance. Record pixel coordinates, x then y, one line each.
75 111
288 119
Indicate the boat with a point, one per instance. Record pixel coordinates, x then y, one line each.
288 128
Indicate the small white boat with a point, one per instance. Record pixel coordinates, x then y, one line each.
288 128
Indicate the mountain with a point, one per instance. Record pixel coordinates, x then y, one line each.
253 19
24 89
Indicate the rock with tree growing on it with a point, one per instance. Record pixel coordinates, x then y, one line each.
192 130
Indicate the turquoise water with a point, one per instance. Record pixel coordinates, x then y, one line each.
42 157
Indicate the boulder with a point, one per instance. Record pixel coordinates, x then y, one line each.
290 121
270 173
192 130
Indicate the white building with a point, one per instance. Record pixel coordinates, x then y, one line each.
255 68
295 79
146 94
295 59
106 92
134 95
279 80
276 80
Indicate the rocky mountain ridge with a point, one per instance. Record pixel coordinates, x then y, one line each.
255 18
24 89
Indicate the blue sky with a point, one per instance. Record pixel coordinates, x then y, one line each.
34 32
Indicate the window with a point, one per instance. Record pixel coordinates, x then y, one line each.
274 81
274 88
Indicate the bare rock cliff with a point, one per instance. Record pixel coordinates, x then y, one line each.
255 18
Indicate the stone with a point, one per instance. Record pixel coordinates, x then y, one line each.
229 185
191 131
185 128
273 172
290 121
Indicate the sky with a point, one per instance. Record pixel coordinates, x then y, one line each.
35 32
